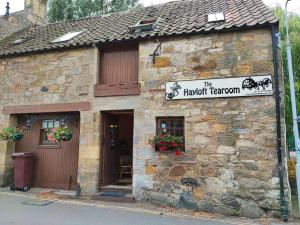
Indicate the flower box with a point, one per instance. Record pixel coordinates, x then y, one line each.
168 143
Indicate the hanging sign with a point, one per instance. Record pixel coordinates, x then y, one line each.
220 88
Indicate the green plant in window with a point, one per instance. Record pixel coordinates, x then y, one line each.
60 134
11 134
166 142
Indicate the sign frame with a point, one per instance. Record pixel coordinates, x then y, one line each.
267 76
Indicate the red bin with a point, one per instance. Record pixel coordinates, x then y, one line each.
23 170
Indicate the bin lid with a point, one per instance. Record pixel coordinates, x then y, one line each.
22 154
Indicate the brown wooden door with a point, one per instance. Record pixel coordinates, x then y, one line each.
110 156
55 165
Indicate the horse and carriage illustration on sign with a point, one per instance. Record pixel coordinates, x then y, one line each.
250 84
174 91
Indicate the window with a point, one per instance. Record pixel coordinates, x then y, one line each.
46 126
118 72
145 25
170 125
18 41
67 36
216 17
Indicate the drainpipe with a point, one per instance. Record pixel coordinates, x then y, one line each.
283 206
293 101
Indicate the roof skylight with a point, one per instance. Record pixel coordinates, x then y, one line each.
19 41
216 17
67 36
145 25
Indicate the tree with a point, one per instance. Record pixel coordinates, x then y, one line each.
294 32
61 10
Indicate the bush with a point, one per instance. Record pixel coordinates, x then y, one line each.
292 171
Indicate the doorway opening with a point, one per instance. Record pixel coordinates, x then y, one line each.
116 150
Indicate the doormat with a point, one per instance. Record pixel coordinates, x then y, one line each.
120 183
113 193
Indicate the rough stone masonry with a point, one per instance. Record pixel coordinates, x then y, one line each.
230 163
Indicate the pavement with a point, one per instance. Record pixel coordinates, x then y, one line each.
18 208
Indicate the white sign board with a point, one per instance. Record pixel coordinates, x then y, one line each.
219 88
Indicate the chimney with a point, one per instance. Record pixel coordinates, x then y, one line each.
7 9
37 11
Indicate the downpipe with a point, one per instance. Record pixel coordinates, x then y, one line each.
280 167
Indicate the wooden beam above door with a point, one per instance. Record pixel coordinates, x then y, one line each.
45 108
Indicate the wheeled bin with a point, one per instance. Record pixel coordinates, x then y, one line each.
23 170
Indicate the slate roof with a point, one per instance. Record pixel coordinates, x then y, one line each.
13 23
178 17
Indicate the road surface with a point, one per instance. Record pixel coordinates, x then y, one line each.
17 208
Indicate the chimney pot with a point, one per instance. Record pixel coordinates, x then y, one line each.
7 9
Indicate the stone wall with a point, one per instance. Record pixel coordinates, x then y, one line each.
60 77
230 142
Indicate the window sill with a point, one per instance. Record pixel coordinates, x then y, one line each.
103 90
49 146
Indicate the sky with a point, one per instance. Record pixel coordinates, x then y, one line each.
17 5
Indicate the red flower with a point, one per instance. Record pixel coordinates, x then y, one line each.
178 152
163 148
174 144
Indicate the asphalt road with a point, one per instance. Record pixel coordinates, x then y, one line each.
17 209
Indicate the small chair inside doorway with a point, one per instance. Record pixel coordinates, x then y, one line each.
126 165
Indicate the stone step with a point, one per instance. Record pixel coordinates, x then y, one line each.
118 189
128 197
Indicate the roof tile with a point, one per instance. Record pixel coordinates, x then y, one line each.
178 17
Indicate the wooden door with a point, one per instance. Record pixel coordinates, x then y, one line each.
110 157
56 165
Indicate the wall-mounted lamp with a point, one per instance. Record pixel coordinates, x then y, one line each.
64 121
28 122
25 121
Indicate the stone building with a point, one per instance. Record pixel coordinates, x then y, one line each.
206 71
33 14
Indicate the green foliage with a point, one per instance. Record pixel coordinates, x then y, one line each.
166 142
11 134
294 33
60 134
60 10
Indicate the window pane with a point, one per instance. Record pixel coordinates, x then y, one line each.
171 124
179 124
56 124
45 125
179 132
50 124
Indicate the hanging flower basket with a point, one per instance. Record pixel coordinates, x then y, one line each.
11 134
60 134
168 143
17 136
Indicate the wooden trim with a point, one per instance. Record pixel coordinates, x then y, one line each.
45 108
103 90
